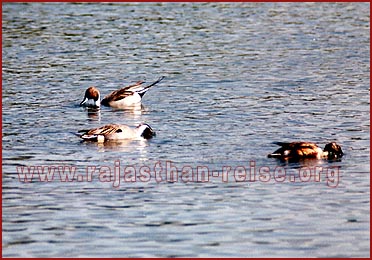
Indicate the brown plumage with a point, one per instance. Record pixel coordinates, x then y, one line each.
104 130
303 150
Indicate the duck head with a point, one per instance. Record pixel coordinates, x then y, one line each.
145 131
91 93
333 150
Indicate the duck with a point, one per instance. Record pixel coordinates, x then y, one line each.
115 132
125 97
306 150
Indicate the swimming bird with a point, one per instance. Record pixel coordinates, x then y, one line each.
303 150
125 97
117 132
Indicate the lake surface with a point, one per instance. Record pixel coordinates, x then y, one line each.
239 76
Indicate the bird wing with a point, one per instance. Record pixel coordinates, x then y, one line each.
104 130
296 149
117 95
296 145
122 93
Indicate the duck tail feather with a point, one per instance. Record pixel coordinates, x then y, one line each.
156 82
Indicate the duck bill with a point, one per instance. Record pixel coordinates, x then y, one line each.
84 101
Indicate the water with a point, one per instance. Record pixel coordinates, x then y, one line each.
239 76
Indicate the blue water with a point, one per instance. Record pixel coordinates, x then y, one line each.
239 76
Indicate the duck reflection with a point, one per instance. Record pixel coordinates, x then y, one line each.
298 163
124 146
94 113
134 111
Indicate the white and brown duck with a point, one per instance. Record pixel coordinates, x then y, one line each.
116 132
125 97
306 150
